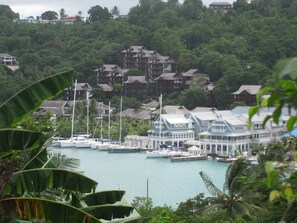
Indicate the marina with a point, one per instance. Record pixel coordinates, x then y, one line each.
168 182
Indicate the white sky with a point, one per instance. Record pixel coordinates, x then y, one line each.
36 7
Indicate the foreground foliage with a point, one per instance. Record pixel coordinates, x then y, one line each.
38 185
262 193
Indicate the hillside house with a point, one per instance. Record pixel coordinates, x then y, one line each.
149 62
168 83
107 90
9 61
136 86
195 74
81 91
67 20
159 65
109 74
57 107
221 6
246 94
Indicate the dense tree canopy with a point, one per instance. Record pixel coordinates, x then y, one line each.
235 48
49 15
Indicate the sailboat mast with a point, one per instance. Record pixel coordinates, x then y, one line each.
160 140
88 111
109 121
73 108
101 120
121 109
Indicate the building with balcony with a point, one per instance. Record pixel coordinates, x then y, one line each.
136 86
149 62
221 6
9 61
246 94
219 132
172 130
168 83
225 135
109 74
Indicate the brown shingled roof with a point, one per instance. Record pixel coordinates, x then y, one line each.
251 89
136 79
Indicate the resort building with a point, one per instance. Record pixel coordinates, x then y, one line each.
168 83
149 62
172 130
225 135
219 132
136 86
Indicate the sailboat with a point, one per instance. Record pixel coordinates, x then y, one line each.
120 148
103 146
68 143
159 153
84 141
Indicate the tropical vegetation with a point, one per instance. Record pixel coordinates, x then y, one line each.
235 48
264 192
39 186
240 47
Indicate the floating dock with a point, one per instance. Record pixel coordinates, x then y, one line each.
187 158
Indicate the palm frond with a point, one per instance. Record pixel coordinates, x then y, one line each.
64 162
233 174
213 190
37 161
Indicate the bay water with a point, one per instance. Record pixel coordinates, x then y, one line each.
167 183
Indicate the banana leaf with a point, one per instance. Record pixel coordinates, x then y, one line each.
29 99
19 139
38 180
43 210
109 212
37 161
104 197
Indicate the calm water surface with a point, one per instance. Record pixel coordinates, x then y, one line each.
168 183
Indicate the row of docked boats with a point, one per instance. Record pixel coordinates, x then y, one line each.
83 142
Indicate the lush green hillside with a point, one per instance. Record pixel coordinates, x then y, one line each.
234 48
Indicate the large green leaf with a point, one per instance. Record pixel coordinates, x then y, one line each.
104 197
44 210
38 180
286 67
19 139
109 212
29 99
38 160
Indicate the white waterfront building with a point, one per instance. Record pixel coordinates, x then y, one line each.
172 130
225 135
220 132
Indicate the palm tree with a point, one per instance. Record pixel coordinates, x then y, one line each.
232 199
39 185
115 12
